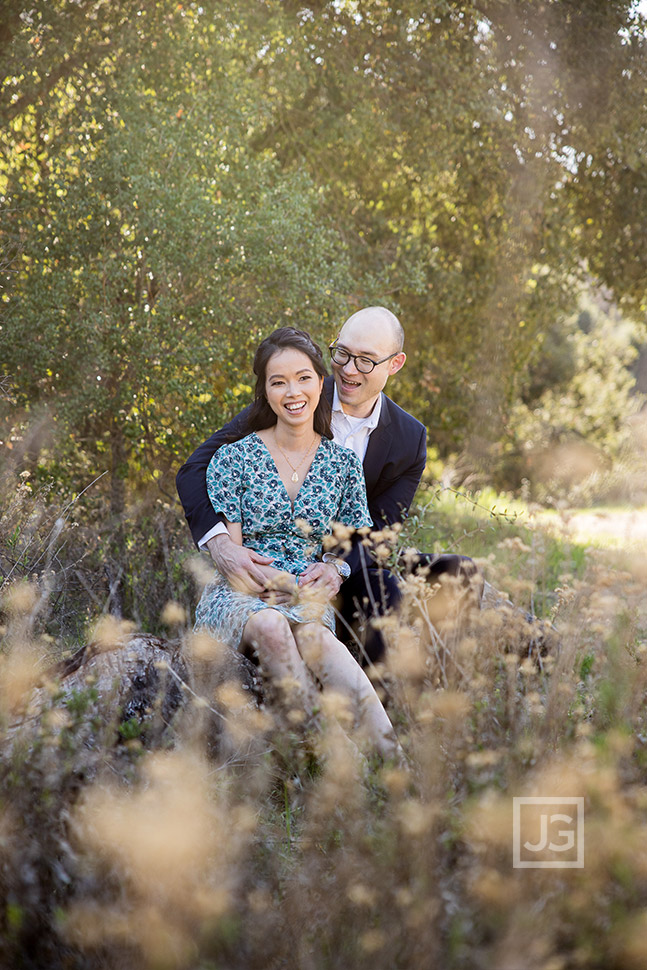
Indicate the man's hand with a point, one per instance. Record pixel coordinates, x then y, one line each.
321 577
249 572
244 569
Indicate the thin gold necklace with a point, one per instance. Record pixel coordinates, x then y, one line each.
295 477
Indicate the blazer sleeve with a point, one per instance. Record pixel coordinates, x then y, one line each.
389 502
191 480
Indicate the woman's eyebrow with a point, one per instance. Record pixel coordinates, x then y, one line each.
304 370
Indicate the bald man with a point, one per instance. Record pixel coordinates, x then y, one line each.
392 446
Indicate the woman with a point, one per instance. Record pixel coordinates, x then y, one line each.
280 489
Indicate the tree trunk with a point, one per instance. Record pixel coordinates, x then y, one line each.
118 473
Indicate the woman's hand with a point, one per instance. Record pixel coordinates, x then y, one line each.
280 586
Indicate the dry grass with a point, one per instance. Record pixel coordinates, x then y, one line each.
278 849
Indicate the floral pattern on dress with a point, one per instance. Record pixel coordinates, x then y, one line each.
244 485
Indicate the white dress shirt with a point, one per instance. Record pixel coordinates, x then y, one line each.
352 432
347 430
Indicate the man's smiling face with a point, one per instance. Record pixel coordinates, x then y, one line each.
368 334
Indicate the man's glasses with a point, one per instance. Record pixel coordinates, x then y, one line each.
363 364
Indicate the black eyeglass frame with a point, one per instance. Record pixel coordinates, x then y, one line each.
355 357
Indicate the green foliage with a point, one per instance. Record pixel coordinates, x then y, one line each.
177 181
473 119
592 396
580 406
78 702
130 730
160 248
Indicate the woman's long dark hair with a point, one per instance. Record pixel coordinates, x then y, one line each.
261 414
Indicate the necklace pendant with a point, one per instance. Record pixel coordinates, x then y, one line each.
295 477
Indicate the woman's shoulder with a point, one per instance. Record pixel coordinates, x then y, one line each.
339 450
238 448
345 457
247 443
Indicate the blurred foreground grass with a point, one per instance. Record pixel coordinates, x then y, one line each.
275 848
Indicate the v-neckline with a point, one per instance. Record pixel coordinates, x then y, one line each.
291 502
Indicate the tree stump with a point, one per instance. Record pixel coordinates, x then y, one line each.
129 693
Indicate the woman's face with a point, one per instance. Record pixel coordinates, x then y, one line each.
292 387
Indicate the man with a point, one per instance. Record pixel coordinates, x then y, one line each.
392 446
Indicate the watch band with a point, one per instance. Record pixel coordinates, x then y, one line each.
340 565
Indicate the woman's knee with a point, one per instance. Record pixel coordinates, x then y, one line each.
269 628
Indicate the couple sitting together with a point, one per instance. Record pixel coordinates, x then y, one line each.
264 493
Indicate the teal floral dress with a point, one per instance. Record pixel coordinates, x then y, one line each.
244 485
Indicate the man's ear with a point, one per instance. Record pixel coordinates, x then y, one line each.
397 363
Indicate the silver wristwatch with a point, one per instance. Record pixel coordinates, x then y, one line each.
340 565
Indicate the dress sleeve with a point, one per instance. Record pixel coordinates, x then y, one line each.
225 482
353 507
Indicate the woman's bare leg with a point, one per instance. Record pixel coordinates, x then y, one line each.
270 635
337 670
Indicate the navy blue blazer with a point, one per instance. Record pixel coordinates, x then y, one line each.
393 466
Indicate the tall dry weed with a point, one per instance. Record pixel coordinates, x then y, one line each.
273 845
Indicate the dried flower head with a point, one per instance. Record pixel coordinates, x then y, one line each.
173 614
111 633
20 598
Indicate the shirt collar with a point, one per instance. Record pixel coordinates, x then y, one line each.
371 419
